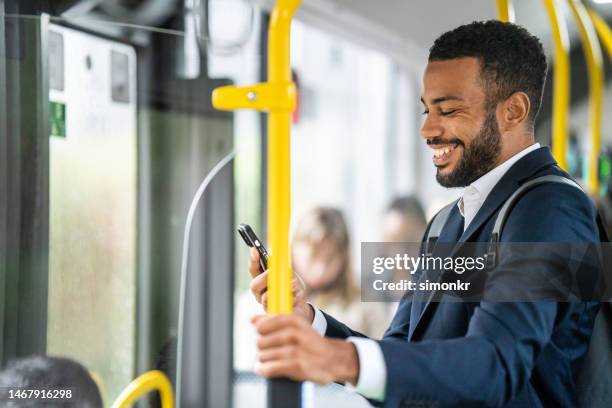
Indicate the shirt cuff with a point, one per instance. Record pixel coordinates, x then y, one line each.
319 323
372 369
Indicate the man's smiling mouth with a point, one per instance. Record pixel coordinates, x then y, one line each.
442 152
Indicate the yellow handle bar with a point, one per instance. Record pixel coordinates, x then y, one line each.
561 82
594 61
153 380
506 11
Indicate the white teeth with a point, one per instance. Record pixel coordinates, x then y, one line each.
442 151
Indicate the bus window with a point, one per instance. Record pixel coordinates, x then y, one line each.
92 204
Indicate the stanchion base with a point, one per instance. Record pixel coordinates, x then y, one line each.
284 393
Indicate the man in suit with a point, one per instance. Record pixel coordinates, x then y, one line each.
482 90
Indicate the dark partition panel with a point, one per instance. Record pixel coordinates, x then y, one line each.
207 358
181 138
24 183
3 179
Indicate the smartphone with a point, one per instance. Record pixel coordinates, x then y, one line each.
249 237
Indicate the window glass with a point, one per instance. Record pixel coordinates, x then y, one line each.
92 211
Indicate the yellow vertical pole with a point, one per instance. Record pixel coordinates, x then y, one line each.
592 53
506 11
277 96
279 169
561 82
604 31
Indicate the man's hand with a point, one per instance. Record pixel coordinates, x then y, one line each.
289 347
259 288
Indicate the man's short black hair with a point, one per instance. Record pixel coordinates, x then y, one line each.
511 59
49 373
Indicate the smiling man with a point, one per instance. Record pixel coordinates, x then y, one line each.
482 90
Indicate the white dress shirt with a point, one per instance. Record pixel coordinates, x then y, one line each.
372 368
476 193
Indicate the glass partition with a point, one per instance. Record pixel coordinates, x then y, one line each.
92 203
110 131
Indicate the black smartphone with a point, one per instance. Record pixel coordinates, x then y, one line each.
249 237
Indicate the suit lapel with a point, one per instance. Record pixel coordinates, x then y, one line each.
522 170
450 233
494 200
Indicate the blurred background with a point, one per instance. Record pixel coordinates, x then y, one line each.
107 130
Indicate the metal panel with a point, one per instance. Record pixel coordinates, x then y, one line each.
220 289
207 332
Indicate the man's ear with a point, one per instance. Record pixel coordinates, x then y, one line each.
514 111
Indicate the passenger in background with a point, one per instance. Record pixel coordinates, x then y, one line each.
405 220
322 257
69 378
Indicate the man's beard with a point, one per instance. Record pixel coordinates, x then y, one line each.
478 157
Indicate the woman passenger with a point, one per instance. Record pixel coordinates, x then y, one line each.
321 255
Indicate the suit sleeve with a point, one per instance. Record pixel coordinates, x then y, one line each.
338 330
398 327
494 360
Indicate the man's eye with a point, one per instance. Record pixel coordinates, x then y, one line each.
426 112
448 112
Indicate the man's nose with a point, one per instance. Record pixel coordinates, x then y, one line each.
431 128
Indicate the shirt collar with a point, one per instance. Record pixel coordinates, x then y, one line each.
484 185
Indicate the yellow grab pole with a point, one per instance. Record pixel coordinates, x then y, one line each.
604 31
506 11
279 169
153 380
277 96
592 53
561 82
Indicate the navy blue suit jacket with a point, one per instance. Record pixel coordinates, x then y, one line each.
495 354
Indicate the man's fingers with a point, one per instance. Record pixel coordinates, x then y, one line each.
298 279
277 353
259 285
298 298
273 369
276 322
284 337
256 318
254 263
295 285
